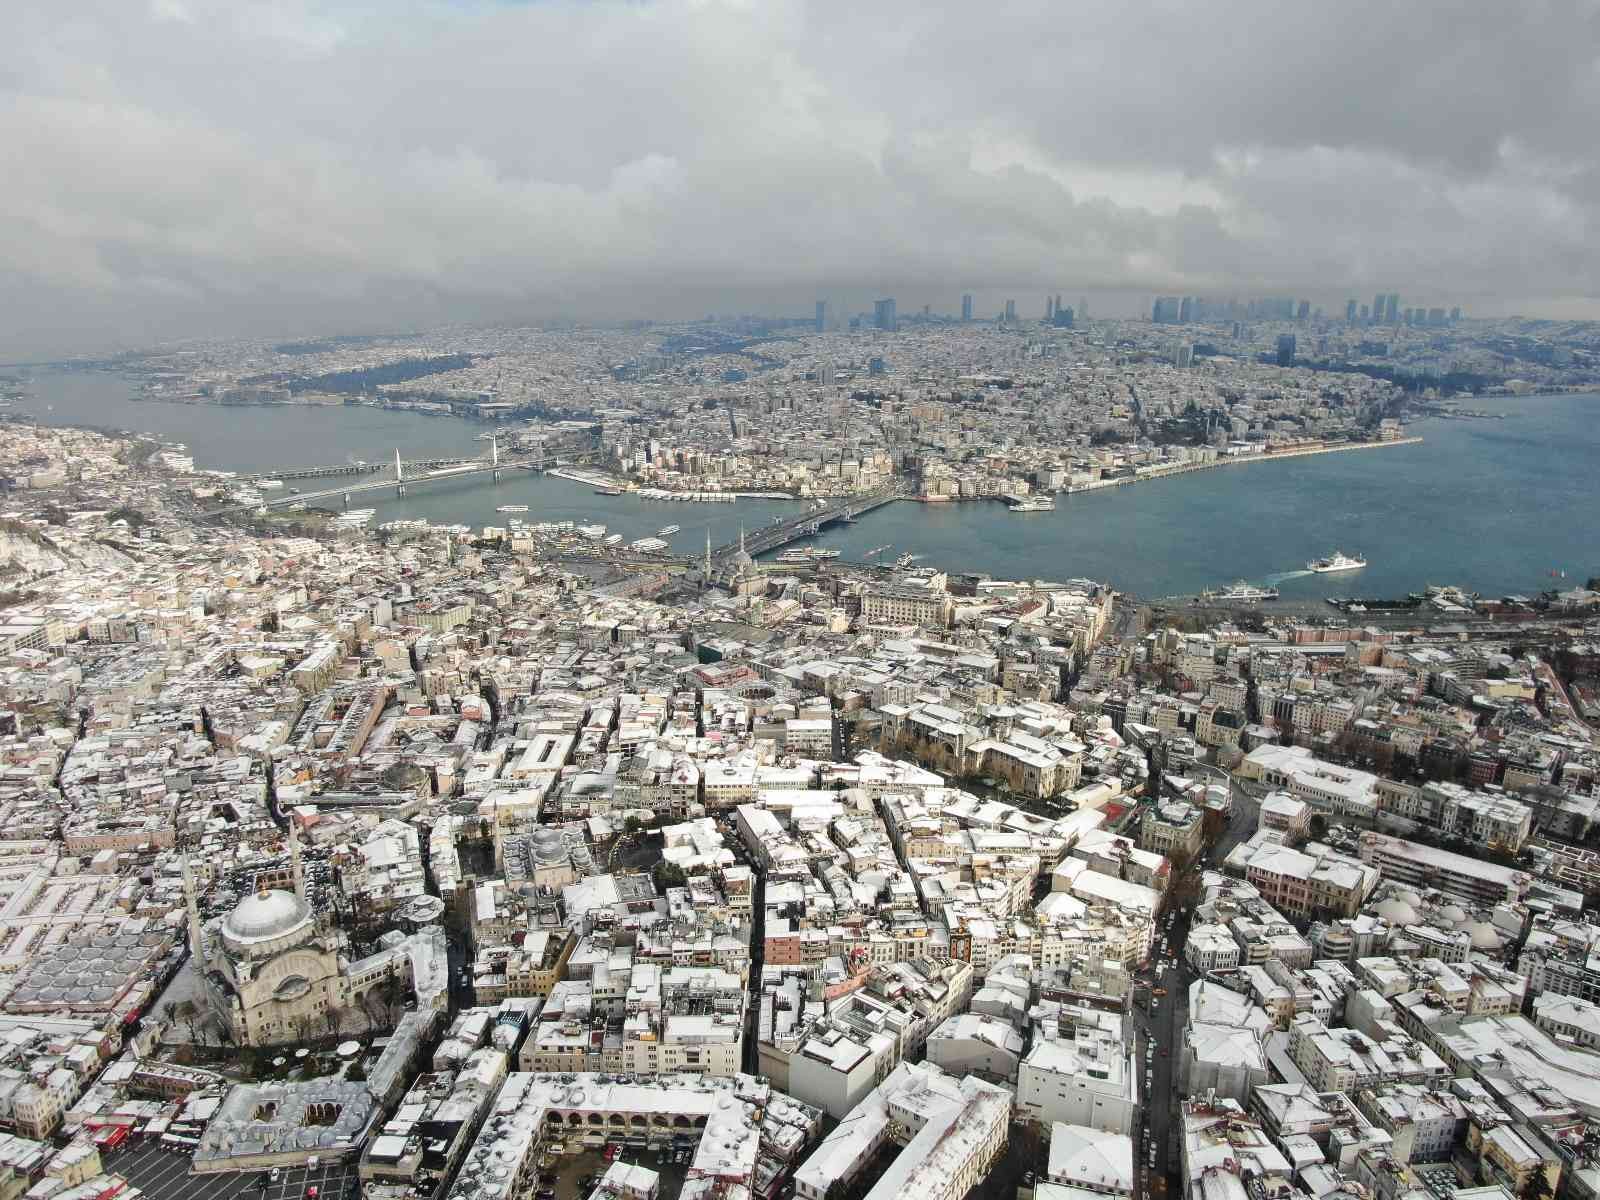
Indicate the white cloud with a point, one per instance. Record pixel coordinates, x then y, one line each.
221 165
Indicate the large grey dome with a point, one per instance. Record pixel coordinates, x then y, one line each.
266 915
548 845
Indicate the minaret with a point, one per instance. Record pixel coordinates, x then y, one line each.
294 859
708 553
193 906
741 538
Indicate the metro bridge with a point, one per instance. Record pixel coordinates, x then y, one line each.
455 469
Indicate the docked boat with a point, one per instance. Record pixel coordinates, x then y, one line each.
805 556
608 491
613 539
511 508
668 530
1033 504
1337 561
1241 592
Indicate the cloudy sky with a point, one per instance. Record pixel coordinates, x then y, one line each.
180 167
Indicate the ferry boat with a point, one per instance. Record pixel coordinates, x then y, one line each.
1337 561
807 554
511 508
1241 591
1034 504
608 491
668 530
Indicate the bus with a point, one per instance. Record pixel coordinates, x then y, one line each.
109 1137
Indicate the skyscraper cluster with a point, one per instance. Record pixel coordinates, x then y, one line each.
1056 313
1386 310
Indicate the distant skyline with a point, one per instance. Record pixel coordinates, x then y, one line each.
200 168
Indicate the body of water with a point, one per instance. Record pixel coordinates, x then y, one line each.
249 437
1494 506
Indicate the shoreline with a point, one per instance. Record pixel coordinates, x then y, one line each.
1236 461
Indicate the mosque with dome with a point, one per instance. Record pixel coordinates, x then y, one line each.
271 972
737 573
268 970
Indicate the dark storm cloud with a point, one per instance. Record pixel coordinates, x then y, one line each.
183 166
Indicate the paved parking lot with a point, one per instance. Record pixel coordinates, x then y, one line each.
164 1174
592 1162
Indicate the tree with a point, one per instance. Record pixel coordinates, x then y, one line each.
186 1013
669 875
1319 826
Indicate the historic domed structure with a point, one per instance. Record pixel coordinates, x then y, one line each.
270 975
266 922
744 577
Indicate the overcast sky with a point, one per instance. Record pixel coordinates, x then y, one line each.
198 167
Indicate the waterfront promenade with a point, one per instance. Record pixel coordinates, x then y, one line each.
1235 460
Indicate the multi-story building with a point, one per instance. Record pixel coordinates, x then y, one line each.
1087 1078
1174 828
1469 880
895 604
1315 881
950 1133
1342 1060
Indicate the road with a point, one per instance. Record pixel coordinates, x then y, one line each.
1159 1027
758 948
1243 818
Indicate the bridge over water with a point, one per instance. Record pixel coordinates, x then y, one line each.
810 523
492 465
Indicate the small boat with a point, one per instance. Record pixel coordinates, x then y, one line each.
668 530
608 491
511 508
877 550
